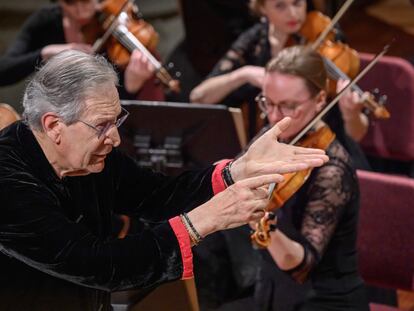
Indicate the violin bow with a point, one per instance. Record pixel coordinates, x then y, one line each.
329 106
334 20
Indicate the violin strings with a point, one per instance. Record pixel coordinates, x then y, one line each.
337 73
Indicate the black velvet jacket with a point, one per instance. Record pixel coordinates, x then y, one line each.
56 242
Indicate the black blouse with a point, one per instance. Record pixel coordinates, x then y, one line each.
323 217
23 56
57 247
252 47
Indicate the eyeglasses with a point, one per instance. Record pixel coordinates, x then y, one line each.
286 108
101 130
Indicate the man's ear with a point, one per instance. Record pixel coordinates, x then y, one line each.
320 100
52 126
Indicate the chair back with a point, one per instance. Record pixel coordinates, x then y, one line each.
385 233
392 138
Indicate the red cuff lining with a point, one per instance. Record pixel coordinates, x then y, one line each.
185 246
217 181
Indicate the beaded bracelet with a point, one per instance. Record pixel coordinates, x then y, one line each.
199 237
195 237
226 174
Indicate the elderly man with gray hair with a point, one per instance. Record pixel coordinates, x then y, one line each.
56 242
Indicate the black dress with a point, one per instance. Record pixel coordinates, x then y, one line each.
322 216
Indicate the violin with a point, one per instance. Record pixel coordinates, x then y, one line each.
120 30
320 137
315 134
341 61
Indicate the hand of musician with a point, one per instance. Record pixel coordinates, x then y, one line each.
267 156
350 103
52 49
355 122
237 205
138 71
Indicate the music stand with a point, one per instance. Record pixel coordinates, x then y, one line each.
172 137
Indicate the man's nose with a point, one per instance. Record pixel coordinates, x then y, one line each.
112 136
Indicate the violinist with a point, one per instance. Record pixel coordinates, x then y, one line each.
238 76
312 263
59 27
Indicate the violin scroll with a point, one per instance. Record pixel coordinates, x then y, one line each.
261 236
377 107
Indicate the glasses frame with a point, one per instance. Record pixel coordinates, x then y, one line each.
263 102
102 132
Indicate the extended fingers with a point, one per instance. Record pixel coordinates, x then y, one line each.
303 150
260 181
283 167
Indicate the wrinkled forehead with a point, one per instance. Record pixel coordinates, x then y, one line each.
102 103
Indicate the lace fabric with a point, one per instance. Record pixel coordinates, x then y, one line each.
331 189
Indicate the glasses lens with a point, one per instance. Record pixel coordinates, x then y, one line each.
122 117
118 122
104 129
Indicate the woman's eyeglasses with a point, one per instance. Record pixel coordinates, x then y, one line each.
286 108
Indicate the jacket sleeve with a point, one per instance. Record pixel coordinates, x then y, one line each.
35 230
155 197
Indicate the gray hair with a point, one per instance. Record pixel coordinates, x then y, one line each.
62 84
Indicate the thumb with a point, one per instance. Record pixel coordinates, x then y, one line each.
280 127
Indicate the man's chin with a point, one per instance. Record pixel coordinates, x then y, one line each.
96 167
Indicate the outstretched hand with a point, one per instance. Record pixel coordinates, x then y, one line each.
268 156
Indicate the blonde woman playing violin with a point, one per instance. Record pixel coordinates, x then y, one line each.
238 76
312 263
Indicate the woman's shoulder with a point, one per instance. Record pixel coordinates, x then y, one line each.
256 31
252 35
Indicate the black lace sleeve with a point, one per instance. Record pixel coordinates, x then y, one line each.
246 50
330 192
